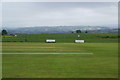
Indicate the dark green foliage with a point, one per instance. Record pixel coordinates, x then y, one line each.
86 31
78 31
4 32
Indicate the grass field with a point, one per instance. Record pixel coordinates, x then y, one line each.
102 64
64 38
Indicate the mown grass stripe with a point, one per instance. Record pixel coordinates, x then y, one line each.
46 53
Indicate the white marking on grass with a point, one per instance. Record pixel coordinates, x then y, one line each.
46 53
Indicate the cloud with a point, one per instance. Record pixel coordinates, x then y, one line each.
59 13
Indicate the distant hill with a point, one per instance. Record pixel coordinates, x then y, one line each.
61 29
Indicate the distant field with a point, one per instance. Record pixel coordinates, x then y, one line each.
64 38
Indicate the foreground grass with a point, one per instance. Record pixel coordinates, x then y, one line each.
102 64
43 47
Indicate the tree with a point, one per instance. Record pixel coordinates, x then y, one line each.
72 32
78 31
86 31
4 32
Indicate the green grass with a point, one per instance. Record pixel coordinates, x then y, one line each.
102 64
6 36
64 38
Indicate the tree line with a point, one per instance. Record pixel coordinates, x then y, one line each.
79 31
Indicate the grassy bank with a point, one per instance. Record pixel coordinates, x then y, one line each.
65 38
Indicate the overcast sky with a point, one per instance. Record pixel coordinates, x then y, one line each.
29 14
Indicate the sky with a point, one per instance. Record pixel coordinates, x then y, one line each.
30 14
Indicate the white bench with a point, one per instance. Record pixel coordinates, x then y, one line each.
79 41
50 40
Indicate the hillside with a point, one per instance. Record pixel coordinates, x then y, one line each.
61 29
